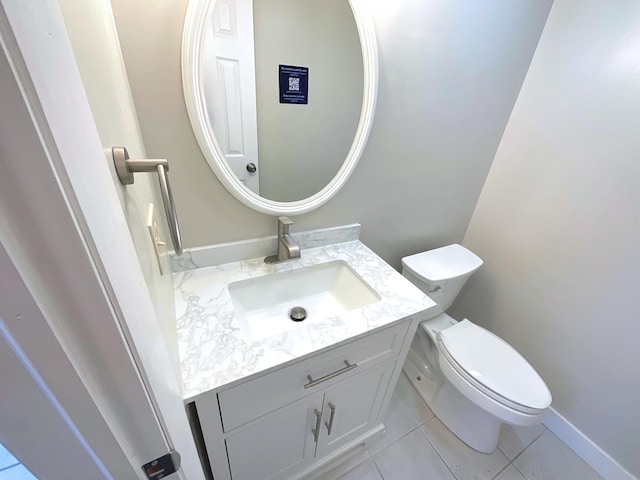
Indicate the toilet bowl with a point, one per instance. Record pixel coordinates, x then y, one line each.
472 380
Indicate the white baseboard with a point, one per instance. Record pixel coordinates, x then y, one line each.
591 453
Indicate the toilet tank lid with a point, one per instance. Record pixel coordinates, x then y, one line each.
444 263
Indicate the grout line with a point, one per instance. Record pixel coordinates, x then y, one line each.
377 467
511 462
394 442
521 473
503 468
438 453
424 423
524 450
3 469
571 451
527 447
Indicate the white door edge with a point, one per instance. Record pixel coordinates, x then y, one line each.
69 240
34 423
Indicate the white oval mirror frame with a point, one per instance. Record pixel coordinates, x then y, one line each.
198 12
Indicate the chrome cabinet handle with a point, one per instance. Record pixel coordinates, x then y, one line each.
333 414
328 376
316 431
126 167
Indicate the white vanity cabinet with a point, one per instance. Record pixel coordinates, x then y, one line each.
290 421
276 444
282 443
354 405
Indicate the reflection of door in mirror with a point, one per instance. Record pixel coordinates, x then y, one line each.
230 92
307 150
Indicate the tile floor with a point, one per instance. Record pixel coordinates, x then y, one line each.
11 469
417 446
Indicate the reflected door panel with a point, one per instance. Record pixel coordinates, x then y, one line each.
231 91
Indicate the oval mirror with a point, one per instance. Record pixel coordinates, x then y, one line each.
281 96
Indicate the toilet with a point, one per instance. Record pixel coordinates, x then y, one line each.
472 380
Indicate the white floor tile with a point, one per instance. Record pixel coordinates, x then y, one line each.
400 418
548 458
465 462
513 440
19 472
346 466
6 459
414 450
366 471
412 401
412 458
510 473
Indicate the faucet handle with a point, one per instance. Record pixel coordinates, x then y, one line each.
287 248
285 221
283 225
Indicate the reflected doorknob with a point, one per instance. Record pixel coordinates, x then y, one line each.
251 167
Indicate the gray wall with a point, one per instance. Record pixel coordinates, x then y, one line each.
93 36
450 71
558 226
296 160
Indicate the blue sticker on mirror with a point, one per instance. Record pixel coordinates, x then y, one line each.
294 84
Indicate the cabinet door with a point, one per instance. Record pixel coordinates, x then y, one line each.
277 444
355 405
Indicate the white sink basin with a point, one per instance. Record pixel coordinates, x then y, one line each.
263 304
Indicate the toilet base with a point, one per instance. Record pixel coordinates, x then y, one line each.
473 425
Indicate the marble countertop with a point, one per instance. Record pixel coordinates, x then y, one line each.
213 350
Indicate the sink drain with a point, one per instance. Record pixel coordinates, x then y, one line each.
298 314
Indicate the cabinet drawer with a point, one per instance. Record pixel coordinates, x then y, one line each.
264 394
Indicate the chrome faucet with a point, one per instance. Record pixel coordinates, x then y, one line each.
288 249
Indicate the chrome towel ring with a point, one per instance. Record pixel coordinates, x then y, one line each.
126 167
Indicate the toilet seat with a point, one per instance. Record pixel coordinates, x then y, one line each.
474 359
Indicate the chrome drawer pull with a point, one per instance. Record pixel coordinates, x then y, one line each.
316 431
333 414
329 376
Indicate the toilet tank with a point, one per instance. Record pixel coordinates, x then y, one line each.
441 273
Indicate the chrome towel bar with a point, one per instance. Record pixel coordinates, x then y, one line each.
126 167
